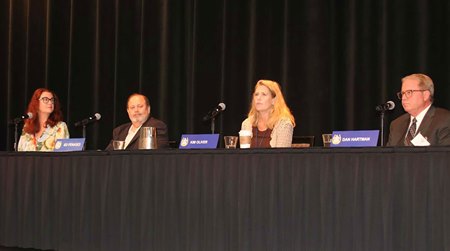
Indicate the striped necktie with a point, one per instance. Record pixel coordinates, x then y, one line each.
411 133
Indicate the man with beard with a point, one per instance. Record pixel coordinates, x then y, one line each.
138 108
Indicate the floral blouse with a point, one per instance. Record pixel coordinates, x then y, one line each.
47 140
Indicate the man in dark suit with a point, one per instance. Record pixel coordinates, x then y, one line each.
138 108
423 124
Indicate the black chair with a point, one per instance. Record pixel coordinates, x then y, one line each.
302 141
173 144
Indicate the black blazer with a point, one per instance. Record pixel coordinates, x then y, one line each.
435 127
121 132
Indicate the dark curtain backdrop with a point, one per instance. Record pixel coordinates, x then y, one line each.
334 60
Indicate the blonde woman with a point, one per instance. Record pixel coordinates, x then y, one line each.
269 119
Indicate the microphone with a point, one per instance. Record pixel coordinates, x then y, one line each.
17 120
390 105
88 120
216 111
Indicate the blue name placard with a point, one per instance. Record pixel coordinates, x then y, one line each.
199 141
69 145
367 138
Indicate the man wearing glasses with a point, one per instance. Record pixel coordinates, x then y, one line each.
423 124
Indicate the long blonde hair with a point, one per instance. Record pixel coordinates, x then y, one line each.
279 111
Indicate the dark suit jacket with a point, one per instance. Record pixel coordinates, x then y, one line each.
435 127
121 132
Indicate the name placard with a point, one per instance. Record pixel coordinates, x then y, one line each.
362 138
69 145
199 141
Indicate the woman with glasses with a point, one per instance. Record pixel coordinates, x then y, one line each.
45 125
270 119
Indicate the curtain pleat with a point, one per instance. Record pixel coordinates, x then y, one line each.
335 62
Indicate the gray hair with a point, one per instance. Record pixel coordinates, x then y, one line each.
425 83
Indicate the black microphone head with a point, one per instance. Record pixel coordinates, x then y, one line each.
222 106
389 105
89 120
213 113
20 119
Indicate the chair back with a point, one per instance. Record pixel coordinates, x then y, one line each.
302 141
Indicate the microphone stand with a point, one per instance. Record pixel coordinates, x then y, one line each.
84 136
213 124
382 127
15 135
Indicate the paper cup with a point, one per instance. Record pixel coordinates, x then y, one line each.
245 138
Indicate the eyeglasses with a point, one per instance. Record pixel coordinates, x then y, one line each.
45 100
407 93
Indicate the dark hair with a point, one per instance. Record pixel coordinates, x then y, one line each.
32 125
138 94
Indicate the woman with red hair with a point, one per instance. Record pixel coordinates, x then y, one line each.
45 126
